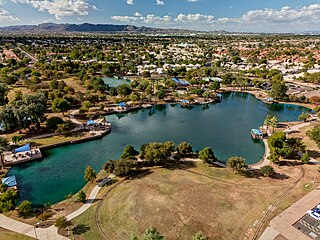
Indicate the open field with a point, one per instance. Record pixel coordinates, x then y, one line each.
180 203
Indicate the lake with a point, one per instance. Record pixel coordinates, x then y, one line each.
223 126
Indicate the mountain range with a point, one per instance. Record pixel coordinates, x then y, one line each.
88 27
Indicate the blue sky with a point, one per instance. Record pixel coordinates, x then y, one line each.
230 15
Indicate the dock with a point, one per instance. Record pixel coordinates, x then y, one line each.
12 158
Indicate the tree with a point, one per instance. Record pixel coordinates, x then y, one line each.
304 117
152 234
3 143
271 121
238 164
62 222
124 89
124 167
207 155
53 122
8 200
305 158
89 174
82 196
3 95
267 171
314 134
60 105
278 90
157 153
25 208
184 148
129 153
16 138
199 236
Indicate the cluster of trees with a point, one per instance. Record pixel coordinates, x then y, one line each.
281 146
152 154
24 112
310 77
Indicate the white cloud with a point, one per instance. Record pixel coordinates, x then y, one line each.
130 2
286 19
61 8
193 0
160 2
6 17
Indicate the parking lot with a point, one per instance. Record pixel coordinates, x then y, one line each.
309 226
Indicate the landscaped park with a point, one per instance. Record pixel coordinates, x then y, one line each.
96 156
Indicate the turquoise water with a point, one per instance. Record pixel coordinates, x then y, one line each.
114 82
224 126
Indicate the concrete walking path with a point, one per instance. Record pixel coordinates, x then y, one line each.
50 233
89 201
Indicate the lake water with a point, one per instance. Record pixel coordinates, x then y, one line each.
223 126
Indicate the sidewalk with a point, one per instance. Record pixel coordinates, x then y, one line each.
50 233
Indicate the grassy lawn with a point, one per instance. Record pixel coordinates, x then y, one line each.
58 139
8 235
180 203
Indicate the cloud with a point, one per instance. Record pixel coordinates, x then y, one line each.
60 8
152 19
6 17
130 2
285 19
193 0
160 2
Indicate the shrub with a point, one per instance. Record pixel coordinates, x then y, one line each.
238 164
207 155
45 215
82 197
267 171
25 207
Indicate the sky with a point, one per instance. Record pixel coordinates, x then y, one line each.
207 15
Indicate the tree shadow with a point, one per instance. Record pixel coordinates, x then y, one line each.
314 154
280 176
140 174
80 229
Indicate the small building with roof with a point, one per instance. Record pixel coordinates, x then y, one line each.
10 182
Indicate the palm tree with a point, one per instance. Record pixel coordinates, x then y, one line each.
16 138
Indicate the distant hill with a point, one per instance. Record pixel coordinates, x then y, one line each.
88 27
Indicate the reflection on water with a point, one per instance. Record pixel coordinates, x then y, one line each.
224 126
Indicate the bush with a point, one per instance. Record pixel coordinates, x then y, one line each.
45 215
184 148
267 171
25 207
53 122
64 127
82 197
207 155
62 222
238 164
305 158
129 153
89 174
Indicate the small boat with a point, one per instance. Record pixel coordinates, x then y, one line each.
256 134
